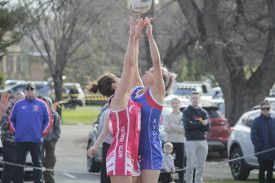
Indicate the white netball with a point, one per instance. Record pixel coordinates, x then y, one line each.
140 6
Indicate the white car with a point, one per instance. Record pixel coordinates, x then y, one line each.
239 145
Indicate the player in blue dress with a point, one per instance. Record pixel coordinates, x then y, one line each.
156 82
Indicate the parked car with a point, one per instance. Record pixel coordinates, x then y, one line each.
42 87
218 134
81 94
240 145
94 163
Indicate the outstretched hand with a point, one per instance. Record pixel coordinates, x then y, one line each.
140 24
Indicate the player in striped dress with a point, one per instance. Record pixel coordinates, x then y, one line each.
123 117
151 96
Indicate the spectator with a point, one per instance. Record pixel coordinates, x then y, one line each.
173 126
263 138
73 94
168 163
29 121
105 147
8 142
196 124
48 146
4 103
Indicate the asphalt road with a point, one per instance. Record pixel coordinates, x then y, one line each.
71 159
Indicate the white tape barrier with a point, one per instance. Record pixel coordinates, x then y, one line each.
216 164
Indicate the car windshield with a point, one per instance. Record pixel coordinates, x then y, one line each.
183 91
213 113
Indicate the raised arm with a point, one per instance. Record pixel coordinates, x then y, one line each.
119 101
140 24
103 135
158 88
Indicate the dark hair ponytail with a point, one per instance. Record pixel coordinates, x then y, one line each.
103 85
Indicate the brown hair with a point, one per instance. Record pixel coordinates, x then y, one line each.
175 99
195 93
265 102
168 78
103 85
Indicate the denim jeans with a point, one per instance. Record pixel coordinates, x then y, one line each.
22 148
9 155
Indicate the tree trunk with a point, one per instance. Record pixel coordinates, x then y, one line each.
58 85
240 93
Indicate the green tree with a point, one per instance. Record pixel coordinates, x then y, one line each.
10 19
235 35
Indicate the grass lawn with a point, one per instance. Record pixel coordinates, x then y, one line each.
80 116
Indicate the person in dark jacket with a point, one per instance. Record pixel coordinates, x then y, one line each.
263 138
29 121
196 124
48 146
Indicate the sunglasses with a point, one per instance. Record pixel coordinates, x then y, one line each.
265 109
29 89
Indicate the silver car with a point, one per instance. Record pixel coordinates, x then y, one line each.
239 145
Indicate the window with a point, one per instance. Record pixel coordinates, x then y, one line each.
18 64
9 64
183 91
250 118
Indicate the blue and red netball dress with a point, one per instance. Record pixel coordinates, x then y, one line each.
150 147
122 156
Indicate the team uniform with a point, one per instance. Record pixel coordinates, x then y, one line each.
150 146
122 156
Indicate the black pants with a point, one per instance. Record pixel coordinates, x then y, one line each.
265 165
178 149
165 177
103 172
22 148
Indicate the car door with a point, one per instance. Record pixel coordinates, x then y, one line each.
248 149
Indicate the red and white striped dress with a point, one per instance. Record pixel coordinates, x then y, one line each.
122 157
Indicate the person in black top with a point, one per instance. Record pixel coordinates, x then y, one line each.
196 124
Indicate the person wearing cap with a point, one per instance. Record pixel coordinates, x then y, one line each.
30 119
263 138
48 146
8 141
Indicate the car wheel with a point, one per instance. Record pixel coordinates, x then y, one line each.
92 165
238 169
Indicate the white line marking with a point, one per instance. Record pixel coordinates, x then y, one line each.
69 175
